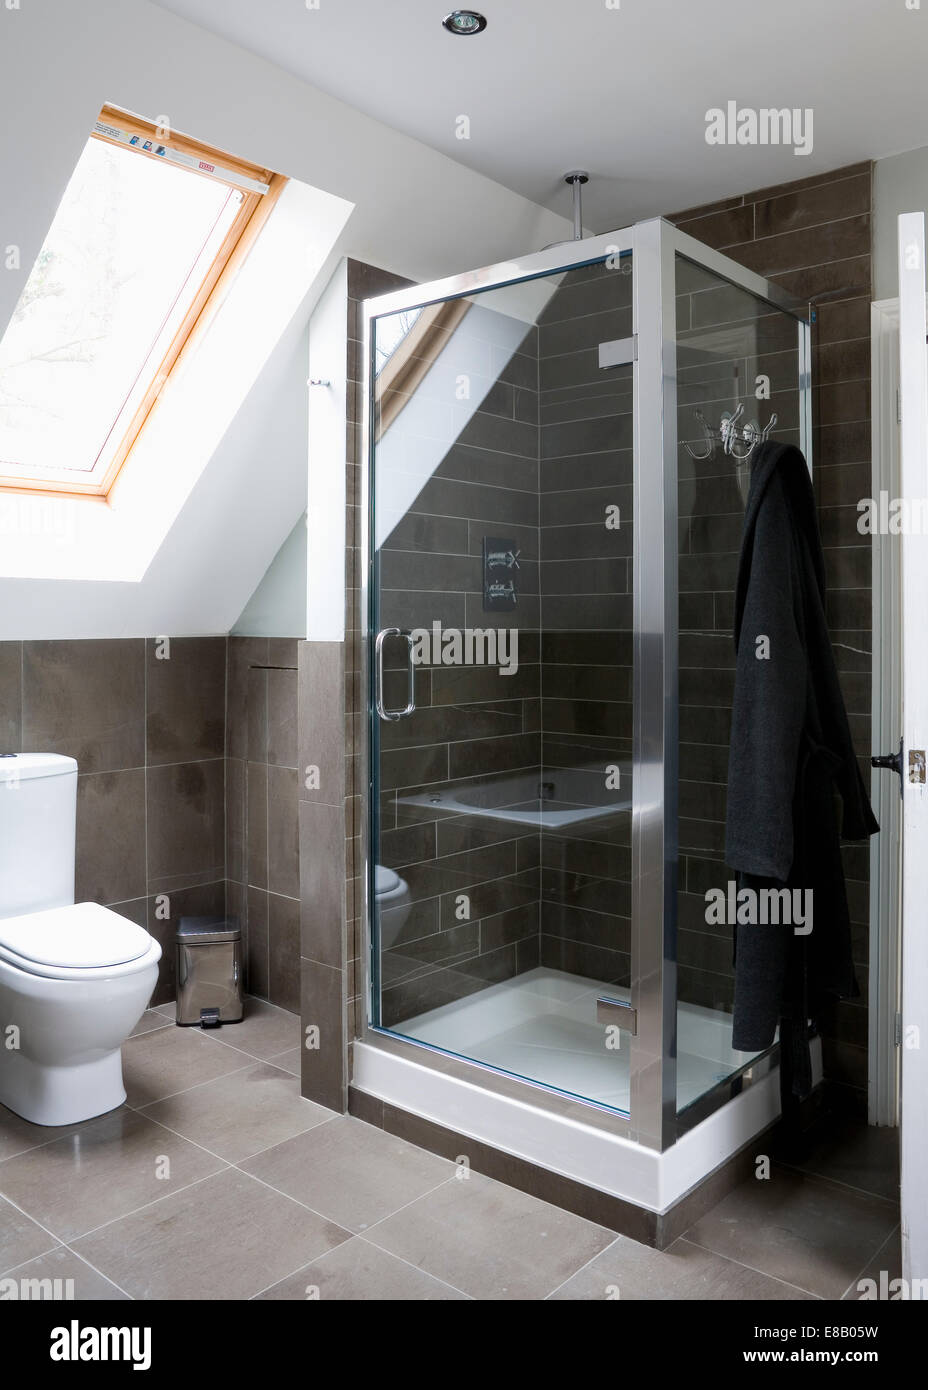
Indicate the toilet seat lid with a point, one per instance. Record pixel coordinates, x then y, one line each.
81 936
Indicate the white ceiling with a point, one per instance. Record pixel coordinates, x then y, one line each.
553 85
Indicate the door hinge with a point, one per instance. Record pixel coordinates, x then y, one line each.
897 1030
617 1013
620 352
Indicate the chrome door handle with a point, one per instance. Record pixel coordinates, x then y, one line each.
391 714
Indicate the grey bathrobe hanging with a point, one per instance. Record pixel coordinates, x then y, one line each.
790 753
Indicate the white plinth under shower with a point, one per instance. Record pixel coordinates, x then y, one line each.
544 1015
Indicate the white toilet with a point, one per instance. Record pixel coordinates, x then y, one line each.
75 978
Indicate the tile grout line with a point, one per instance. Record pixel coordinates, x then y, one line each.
823 1177
355 1235
42 1227
619 1237
279 1192
877 1252
184 1187
363 1235
137 1109
833 1182
78 1256
66 1241
787 1283
230 1163
753 1268
211 1080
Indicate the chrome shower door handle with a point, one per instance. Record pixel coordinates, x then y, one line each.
391 714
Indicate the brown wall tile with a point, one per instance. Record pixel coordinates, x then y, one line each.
321 723
324 1069
86 699
186 825
283 842
11 697
322 881
185 699
111 836
284 952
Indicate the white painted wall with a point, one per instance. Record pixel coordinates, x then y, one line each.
328 445
900 184
277 608
417 213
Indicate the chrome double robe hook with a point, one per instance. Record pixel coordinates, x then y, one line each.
730 434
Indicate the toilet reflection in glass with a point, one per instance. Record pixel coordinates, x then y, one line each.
75 978
392 905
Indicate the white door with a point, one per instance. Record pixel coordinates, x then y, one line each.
913 392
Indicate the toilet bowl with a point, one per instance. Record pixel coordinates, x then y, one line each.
74 981
392 901
75 978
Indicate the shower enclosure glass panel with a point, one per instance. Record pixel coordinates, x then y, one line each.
737 361
501 608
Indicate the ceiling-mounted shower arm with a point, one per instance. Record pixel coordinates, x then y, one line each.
577 178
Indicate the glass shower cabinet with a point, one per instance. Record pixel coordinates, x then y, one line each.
557 462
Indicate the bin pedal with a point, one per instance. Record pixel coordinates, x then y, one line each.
209 1018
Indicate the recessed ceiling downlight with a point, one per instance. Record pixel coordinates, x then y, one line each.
464 22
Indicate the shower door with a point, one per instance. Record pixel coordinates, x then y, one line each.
501 663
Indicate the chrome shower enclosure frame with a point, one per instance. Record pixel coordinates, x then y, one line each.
653 1120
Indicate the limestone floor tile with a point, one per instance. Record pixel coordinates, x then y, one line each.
239 1115
804 1230
169 1060
351 1172
885 1267
227 1237
149 1021
289 1060
635 1273
358 1271
20 1238
112 1165
17 1134
264 1030
859 1155
491 1241
61 1274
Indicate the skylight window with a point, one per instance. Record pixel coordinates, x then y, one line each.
132 261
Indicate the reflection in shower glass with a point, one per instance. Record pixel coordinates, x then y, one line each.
502 543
